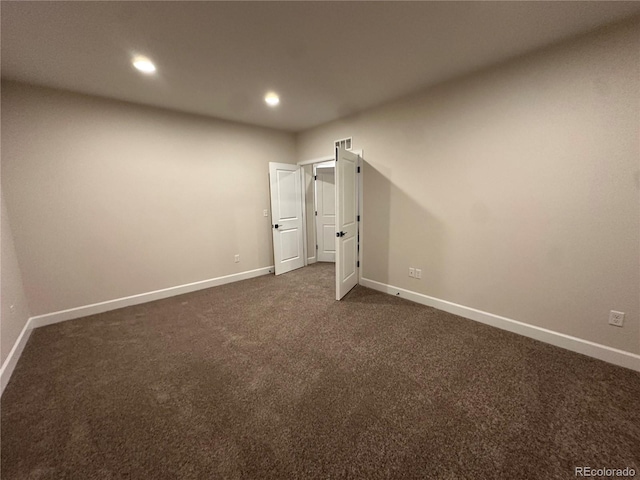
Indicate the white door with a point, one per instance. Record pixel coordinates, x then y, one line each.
286 216
326 214
346 222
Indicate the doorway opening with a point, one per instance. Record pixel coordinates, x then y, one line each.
316 216
320 199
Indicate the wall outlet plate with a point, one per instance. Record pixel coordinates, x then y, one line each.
616 318
412 272
236 258
418 273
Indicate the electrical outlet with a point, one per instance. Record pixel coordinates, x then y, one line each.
12 309
412 272
418 273
265 213
237 258
616 318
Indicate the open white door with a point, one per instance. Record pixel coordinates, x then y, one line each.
346 222
325 213
286 216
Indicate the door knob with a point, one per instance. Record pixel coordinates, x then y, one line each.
340 234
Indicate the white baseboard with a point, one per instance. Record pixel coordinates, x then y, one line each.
12 359
78 312
585 347
86 310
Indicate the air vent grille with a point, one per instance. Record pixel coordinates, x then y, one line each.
346 143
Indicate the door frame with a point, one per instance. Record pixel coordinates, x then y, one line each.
360 196
304 202
316 167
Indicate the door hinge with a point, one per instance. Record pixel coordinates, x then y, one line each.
358 169
358 264
316 214
358 217
315 177
316 247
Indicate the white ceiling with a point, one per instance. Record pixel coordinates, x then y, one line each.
325 59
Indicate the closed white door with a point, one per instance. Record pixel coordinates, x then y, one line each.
346 222
286 216
326 214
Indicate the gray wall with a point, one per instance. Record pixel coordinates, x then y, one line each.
14 309
515 190
109 199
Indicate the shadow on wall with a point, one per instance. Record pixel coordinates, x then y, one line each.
400 233
376 225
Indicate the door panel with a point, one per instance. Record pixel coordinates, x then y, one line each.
346 222
329 241
349 264
348 199
289 244
286 188
328 192
286 216
326 214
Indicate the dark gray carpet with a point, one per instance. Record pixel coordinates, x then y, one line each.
271 378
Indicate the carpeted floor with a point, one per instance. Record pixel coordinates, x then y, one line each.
271 378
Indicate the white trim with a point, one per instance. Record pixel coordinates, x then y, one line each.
303 184
329 164
314 219
56 317
328 161
579 345
12 359
317 160
360 187
78 312
316 208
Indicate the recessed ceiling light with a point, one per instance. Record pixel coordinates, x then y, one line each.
143 64
272 99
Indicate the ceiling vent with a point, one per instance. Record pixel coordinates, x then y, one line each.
345 143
